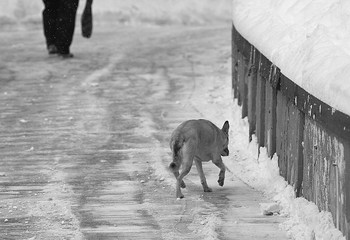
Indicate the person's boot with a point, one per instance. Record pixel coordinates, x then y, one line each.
66 55
64 52
52 49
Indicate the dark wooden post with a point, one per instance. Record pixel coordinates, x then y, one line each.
245 91
281 135
294 151
240 74
260 104
271 107
252 85
234 58
344 189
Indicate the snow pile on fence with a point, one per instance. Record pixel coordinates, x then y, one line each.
309 40
160 12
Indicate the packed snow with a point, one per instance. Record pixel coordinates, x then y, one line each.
309 40
302 43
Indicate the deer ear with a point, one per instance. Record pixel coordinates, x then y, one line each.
225 127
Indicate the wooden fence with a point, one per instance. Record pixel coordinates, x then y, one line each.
310 138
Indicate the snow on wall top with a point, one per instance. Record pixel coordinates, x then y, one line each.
309 40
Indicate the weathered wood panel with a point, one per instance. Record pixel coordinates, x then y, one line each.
240 73
345 221
260 104
295 149
270 119
281 136
244 90
325 171
289 137
252 85
234 57
242 61
271 106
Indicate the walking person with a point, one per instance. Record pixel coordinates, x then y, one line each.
59 24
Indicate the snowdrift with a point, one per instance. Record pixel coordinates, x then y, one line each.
308 40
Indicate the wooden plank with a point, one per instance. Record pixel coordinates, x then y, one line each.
299 181
345 191
260 105
270 119
265 67
294 156
289 137
281 119
245 89
308 171
325 168
235 79
252 87
243 54
240 78
271 105
234 57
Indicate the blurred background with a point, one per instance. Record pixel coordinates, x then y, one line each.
19 14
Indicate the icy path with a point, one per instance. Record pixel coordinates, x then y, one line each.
84 142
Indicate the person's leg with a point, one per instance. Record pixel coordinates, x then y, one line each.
66 14
50 24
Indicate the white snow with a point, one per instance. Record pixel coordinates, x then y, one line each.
309 40
308 47
158 12
270 208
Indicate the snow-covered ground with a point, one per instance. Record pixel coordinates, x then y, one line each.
309 40
304 221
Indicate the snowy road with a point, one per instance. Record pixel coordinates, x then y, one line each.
84 142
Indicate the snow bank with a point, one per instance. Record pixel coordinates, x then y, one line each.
309 40
160 12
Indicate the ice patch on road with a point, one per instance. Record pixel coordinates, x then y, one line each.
210 224
93 79
53 207
157 153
